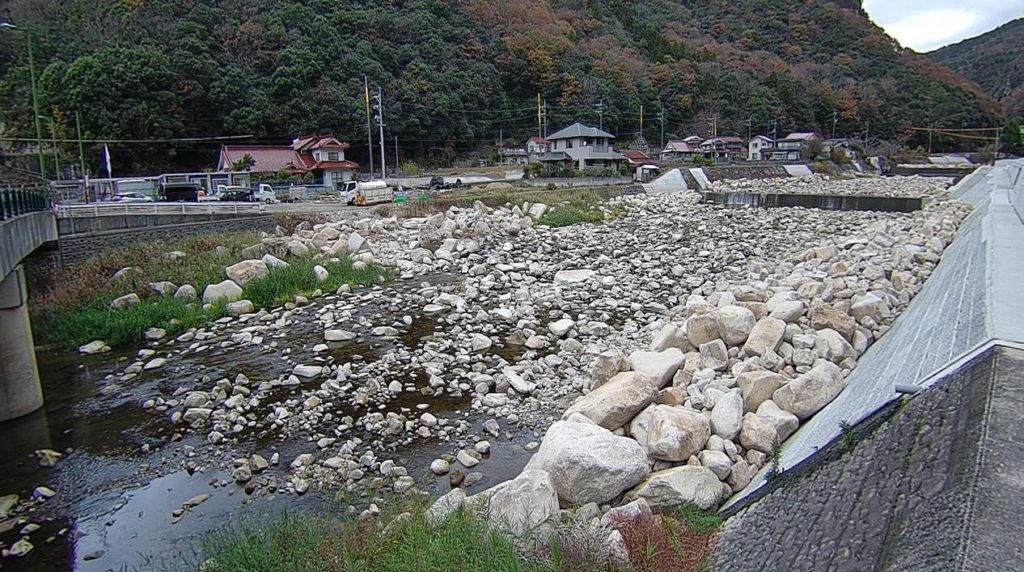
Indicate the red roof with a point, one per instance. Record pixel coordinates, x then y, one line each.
313 142
335 165
538 140
267 159
636 156
271 159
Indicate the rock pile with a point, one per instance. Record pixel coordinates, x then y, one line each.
698 336
907 187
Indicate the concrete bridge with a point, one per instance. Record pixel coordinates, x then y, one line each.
26 223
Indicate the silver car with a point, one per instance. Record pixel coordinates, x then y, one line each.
132 197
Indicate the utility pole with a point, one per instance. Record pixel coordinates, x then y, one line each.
930 139
714 137
396 151
775 130
600 114
999 134
661 117
540 120
545 117
35 95
750 123
378 106
641 121
369 129
81 148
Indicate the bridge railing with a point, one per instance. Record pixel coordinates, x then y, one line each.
16 202
114 209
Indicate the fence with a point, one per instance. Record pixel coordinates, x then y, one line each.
16 202
108 209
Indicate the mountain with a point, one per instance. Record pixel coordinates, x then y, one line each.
994 60
456 75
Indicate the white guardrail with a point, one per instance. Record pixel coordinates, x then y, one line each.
115 209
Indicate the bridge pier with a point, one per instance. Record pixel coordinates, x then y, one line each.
20 390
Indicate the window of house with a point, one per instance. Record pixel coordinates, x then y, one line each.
568 143
332 156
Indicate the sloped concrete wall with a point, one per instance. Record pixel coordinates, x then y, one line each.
930 485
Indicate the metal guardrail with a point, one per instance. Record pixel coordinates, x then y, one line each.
16 202
115 209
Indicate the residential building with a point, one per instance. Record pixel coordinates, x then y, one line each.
679 150
513 156
322 156
759 148
581 147
535 148
841 146
641 164
723 148
694 140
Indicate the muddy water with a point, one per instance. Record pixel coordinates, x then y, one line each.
122 477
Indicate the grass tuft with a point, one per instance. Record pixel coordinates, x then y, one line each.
281 285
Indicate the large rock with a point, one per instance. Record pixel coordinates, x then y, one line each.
785 422
246 270
870 306
727 415
240 307
659 366
758 433
766 335
561 327
227 290
613 404
675 433
356 243
521 505
825 317
673 488
125 301
163 288
832 346
670 336
445 506
757 386
734 324
274 262
589 463
94 347
701 329
339 336
186 291
807 394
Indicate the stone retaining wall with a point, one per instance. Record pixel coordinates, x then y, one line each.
929 487
78 248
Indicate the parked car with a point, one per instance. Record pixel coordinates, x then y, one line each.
180 192
235 194
132 197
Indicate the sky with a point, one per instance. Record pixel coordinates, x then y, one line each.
924 25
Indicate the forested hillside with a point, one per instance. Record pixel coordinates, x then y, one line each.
994 60
455 74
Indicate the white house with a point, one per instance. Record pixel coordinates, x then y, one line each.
757 145
321 155
581 147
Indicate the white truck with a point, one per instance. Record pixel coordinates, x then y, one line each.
367 192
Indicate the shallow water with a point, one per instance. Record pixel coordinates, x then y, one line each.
114 501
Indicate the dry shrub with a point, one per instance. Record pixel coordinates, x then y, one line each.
660 543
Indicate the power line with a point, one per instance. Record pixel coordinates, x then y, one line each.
168 140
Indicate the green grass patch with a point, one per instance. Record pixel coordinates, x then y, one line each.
126 325
281 285
74 309
566 215
335 541
322 543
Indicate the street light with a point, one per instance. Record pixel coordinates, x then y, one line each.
35 95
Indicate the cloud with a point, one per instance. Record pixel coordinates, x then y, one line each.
925 25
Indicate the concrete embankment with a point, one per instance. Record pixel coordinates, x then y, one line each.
934 487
